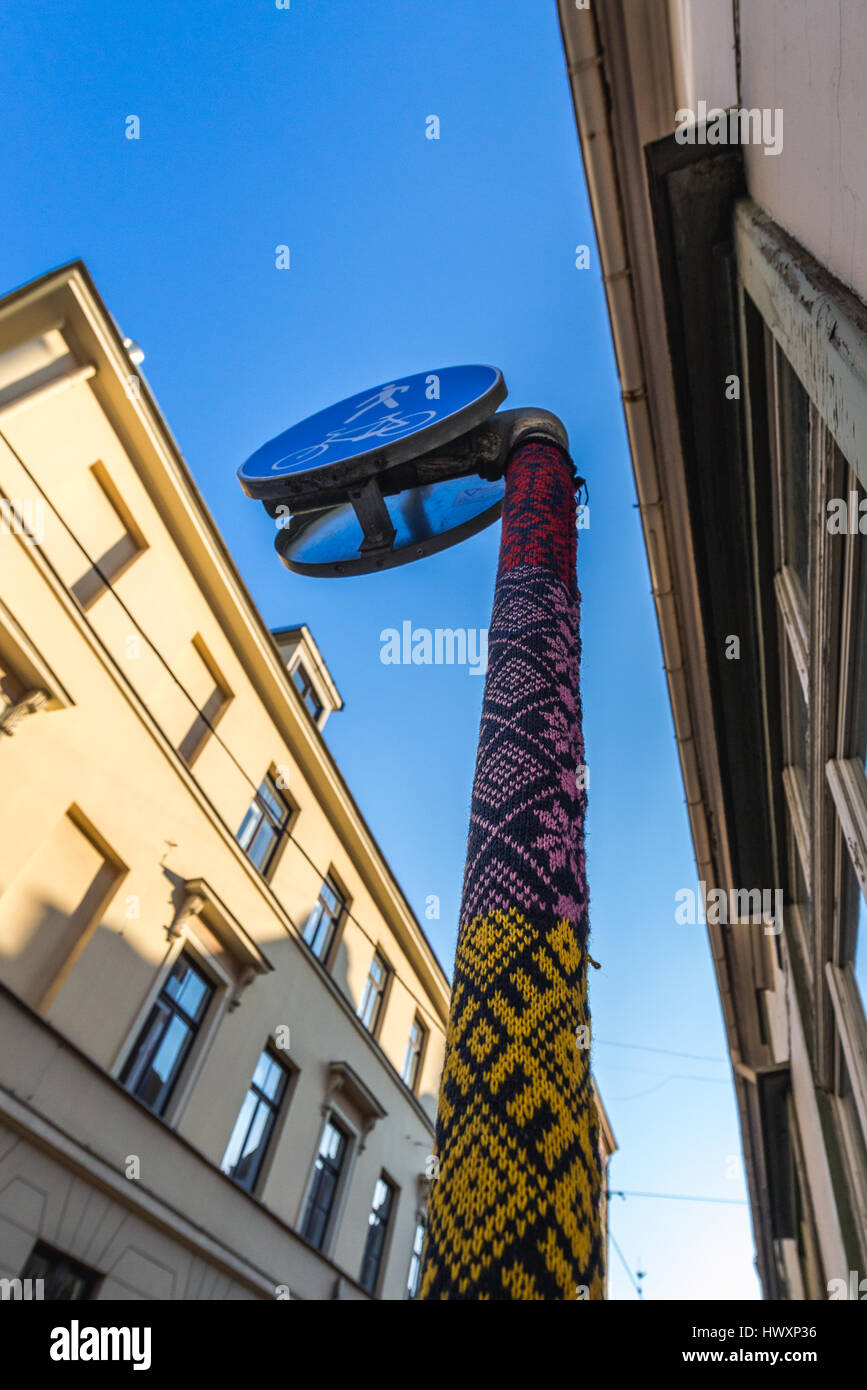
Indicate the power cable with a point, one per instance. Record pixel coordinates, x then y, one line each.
681 1197
254 786
283 830
665 1051
632 1279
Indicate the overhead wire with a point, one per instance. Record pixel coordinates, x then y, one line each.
95 567
284 830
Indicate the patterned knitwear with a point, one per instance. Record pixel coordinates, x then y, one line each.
514 1212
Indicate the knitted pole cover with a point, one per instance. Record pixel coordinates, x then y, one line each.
514 1210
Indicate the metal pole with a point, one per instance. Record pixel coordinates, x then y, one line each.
514 1210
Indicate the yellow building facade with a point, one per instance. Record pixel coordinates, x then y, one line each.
221 1025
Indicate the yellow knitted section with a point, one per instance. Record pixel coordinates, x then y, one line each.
514 1211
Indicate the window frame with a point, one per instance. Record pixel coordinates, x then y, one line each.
412 1083
306 688
269 867
373 1027
387 1227
781 289
337 921
825 811
188 1051
92 1278
225 987
337 1120
415 1261
278 1109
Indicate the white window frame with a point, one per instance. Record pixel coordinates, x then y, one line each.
353 1135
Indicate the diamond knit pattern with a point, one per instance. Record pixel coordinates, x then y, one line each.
514 1212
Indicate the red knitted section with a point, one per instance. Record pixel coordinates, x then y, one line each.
539 513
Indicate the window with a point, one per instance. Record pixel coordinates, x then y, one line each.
377 1229
414 1281
792 443
854 744
305 689
254 1126
374 991
323 1189
796 723
159 1054
821 592
857 734
412 1058
794 431
860 962
63 1278
323 920
266 818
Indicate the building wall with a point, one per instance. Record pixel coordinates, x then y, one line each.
108 821
795 1021
807 59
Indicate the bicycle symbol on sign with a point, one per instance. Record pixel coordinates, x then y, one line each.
390 426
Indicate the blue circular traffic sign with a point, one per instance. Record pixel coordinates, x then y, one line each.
374 429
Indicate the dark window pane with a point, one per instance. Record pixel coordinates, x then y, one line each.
854 923
796 884
412 1057
326 1173
414 1281
148 1042
323 920
249 825
164 1064
254 1146
796 724
63 1279
262 844
272 799
857 738
311 700
269 1076
158 1055
794 415
371 1000
861 952
263 822
238 1138
331 898
187 988
377 1226
249 1140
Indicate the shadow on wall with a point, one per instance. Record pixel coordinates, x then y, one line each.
42 942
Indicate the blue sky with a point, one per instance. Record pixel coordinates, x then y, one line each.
306 127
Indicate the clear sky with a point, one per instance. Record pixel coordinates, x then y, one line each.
305 127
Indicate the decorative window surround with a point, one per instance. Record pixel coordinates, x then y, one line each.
13 715
820 325
796 796
344 1079
795 619
44 689
846 782
852 1031
200 900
